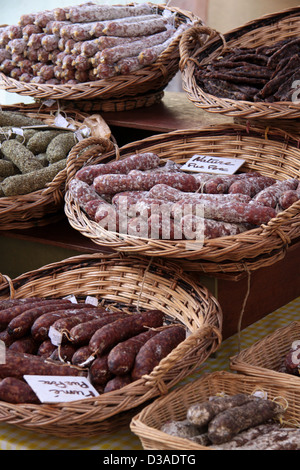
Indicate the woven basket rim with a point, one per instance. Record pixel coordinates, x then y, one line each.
184 293
252 243
226 106
148 79
145 423
246 361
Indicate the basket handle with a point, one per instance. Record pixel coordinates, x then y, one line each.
156 377
198 36
6 282
83 151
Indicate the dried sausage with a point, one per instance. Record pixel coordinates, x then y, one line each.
288 198
99 371
114 54
112 184
270 196
80 356
194 227
230 422
121 358
20 364
251 186
202 413
88 13
81 335
140 161
24 345
155 349
13 390
109 335
138 28
41 325
117 382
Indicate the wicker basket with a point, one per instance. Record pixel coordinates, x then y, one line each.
147 424
274 155
127 283
266 30
45 205
149 79
265 357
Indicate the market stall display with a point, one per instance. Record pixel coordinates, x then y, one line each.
241 234
90 51
132 285
34 148
248 73
153 424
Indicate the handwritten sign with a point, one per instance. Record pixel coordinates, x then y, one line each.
211 164
57 389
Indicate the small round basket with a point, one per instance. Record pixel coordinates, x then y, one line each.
275 154
124 283
146 81
266 357
148 422
44 206
264 31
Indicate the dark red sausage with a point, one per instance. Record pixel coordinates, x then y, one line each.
111 334
156 349
99 371
81 334
25 345
13 390
117 382
121 357
20 364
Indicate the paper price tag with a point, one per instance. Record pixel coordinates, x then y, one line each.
211 164
55 336
57 389
91 300
2 352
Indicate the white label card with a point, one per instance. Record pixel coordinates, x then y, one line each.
56 389
211 164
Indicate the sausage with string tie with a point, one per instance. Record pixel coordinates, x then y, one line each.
111 334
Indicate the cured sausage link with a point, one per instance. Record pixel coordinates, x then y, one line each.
19 364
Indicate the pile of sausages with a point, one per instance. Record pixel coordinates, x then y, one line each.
85 43
30 157
264 73
139 196
111 347
291 362
236 422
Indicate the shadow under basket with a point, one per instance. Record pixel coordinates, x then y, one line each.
129 284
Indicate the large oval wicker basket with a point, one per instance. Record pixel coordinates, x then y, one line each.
148 422
146 81
264 31
275 154
44 206
127 283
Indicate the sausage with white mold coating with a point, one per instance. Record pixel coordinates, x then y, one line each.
270 195
140 161
112 184
225 425
91 12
